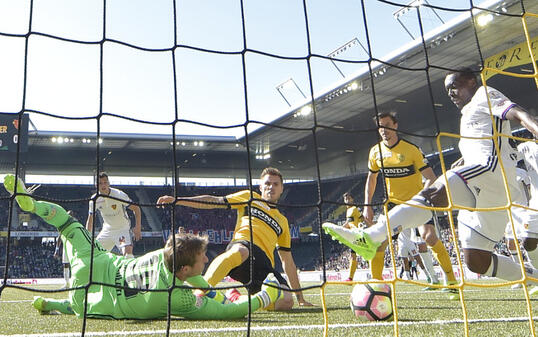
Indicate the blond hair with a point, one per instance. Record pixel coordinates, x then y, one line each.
188 246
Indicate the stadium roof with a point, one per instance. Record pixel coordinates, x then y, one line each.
345 130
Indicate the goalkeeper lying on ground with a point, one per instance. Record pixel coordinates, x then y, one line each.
122 283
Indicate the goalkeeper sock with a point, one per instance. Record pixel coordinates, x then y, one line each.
221 266
441 255
352 267
377 264
63 306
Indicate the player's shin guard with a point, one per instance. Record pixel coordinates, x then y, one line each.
441 255
221 266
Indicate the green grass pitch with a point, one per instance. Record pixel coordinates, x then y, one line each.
491 312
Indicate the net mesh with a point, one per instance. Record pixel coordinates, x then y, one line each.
429 67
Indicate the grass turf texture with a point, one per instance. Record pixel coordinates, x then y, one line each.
491 311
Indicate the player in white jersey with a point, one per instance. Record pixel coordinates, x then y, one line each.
525 220
116 229
474 181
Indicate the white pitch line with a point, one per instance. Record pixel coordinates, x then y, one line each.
333 294
272 328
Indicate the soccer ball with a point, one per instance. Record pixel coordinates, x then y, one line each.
371 302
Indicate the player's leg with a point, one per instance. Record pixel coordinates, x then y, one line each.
428 234
405 263
261 269
107 239
408 215
377 264
478 246
46 305
236 253
124 241
269 293
352 266
529 234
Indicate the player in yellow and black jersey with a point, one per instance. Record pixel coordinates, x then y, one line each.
270 231
354 218
403 166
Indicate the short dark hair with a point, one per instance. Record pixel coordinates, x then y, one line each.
187 247
464 72
393 115
273 172
347 194
103 175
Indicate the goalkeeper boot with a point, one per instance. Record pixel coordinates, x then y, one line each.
270 292
354 238
39 304
26 203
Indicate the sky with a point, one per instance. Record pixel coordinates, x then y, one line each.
63 78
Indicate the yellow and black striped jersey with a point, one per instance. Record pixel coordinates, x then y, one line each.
270 228
354 216
402 166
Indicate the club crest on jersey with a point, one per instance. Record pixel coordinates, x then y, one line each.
400 157
114 206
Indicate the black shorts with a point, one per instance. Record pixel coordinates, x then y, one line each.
261 265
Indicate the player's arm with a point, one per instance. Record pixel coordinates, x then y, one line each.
429 176
516 113
137 230
291 271
89 222
199 201
369 189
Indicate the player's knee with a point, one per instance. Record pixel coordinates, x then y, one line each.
530 244
435 195
241 249
476 263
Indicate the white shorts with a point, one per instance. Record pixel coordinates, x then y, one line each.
525 222
476 186
406 247
110 238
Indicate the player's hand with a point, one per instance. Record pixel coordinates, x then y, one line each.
137 231
304 303
165 199
457 163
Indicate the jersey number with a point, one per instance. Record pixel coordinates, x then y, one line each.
141 275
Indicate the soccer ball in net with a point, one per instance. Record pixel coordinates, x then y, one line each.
371 302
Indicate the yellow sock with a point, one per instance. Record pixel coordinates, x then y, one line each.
440 253
221 266
377 264
352 267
